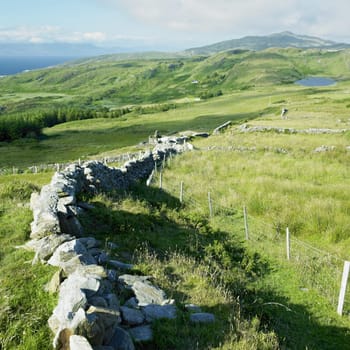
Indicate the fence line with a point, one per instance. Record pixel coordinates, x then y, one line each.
319 270
57 166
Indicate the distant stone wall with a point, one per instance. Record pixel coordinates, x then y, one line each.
311 131
89 314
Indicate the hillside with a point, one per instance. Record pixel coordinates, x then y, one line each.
257 43
142 95
113 82
287 172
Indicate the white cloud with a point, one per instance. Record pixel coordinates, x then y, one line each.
239 17
47 34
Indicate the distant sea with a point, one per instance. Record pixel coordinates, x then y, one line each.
13 65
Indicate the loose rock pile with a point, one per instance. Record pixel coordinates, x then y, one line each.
89 313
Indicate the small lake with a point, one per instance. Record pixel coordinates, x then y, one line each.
316 81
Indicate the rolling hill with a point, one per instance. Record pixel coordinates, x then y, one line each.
284 39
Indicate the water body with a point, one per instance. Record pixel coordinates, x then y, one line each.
14 65
316 81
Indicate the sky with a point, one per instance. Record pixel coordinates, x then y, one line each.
168 24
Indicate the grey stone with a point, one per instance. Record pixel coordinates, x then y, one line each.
77 342
64 328
44 207
70 256
155 312
112 275
108 317
92 329
132 303
132 317
54 284
121 340
95 252
98 301
46 246
112 301
106 287
92 270
67 201
103 258
129 280
55 211
120 265
73 295
70 224
68 304
147 294
141 334
202 317
89 242
324 148
75 210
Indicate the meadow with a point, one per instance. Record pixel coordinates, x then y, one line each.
261 300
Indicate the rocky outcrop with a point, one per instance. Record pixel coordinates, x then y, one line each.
89 281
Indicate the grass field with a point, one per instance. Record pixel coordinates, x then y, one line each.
261 300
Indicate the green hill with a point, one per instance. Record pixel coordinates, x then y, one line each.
257 43
109 82
281 170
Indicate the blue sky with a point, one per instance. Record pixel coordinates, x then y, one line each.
168 24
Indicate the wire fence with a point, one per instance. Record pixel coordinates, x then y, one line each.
318 270
39 168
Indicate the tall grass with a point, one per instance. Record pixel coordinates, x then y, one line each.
24 305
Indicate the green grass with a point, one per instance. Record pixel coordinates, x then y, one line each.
261 301
151 228
24 305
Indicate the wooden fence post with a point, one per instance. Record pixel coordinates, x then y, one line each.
210 205
246 223
181 191
160 180
344 283
288 243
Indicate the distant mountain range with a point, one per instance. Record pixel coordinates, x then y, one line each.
257 43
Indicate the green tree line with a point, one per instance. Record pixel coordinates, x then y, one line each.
16 126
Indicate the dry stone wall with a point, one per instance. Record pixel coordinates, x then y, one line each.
89 314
